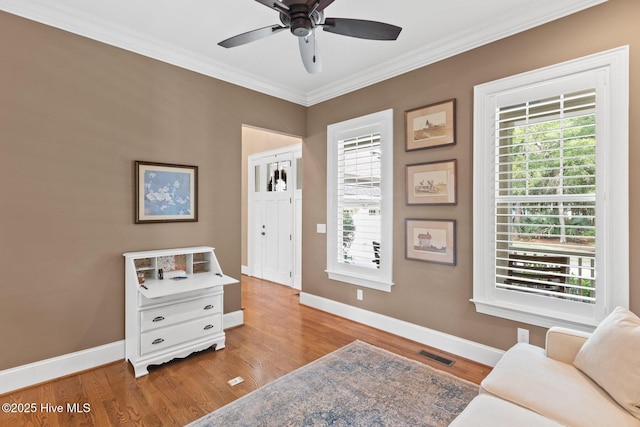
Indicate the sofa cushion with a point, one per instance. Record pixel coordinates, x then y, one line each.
611 357
486 410
556 390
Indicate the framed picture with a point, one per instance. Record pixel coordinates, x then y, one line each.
430 126
431 183
431 240
166 193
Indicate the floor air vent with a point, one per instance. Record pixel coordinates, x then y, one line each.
437 358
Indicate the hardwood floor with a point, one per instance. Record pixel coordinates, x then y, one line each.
279 336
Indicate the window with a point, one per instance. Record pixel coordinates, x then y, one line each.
360 201
551 193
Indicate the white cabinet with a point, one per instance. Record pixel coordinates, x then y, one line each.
177 314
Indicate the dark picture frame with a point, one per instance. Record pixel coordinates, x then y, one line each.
165 192
430 126
431 183
430 240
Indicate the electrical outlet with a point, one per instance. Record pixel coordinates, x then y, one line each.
359 294
523 335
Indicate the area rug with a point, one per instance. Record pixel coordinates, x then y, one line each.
356 385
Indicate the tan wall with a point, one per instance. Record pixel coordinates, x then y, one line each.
437 296
74 115
256 141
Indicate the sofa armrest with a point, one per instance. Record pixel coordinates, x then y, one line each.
563 344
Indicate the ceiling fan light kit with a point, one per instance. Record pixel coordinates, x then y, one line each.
302 18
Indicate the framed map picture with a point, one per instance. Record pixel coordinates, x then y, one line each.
166 193
431 183
431 240
430 126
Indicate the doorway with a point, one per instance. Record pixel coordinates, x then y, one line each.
274 214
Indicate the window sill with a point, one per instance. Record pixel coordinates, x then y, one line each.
366 282
532 317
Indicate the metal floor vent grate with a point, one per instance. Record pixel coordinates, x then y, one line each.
436 358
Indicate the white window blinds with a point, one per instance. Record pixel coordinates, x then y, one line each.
551 192
545 196
358 201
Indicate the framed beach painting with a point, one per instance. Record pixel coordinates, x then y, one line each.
430 126
166 193
432 183
431 240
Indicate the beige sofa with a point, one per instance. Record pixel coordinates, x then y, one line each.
581 380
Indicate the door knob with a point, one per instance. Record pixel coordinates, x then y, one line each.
263 233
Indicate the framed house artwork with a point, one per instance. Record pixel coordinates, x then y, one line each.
432 183
430 126
431 240
166 193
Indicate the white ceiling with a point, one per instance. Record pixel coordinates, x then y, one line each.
186 33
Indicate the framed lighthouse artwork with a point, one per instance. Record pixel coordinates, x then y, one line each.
430 126
431 240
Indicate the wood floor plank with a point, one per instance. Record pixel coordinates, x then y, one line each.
279 336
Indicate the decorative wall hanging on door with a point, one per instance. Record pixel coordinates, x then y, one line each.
277 175
166 192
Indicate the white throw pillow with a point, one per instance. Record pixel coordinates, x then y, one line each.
611 358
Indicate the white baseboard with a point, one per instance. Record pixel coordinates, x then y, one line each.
233 319
449 343
67 364
245 270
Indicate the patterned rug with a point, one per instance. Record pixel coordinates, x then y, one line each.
356 385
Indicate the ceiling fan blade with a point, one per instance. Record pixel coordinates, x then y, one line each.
362 29
275 4
251 36
310 54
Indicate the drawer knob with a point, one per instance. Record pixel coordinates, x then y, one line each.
158 319
208 327
158 341
208 307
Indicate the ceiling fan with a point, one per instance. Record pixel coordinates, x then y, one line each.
302 18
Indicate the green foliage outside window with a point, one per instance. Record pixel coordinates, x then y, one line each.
348 232
552 158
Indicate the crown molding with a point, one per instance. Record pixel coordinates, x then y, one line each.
106 32
89 26
448 47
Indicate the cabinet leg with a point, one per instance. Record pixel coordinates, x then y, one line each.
219 345
141 371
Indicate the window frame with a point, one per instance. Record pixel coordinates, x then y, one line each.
611 69
376 278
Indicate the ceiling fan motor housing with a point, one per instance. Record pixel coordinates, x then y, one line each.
299 20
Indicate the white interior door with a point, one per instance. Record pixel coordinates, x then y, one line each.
271 217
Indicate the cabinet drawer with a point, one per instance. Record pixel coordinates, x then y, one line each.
171 314
173 335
